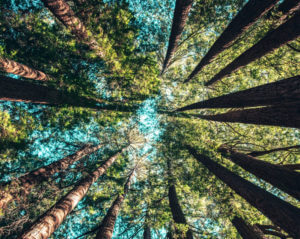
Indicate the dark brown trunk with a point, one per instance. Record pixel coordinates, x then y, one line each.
281 115
147 232
274 39
250 13
279 92
261 153
278 211
284 179
51 220
271 230
247 231
29 180
16 68
291 166
288 8
182 9
107 225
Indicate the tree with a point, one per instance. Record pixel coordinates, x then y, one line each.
251 12
288 8
247 231
147 232
261 153
272 230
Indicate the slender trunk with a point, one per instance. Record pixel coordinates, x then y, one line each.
278 211
19 69
65 14
250 13
247 231
147 232
274 39
261 153
280 115
271 230
181 13
51 220
279 92
288 8
280 177
107 225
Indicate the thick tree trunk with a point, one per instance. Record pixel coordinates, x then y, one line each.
51 220
288 8
182 9
278 211
147 232
65 14
284 179
261 153
274 39
107 225
280 115
279 92
247 231
291 166
19 69
250 13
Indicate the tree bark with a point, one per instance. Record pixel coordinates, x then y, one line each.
280 177
261 153
19 69
288 8
247 231
271 230
280 115
250 13
182 9
279 92
278 211
291 166
147 232
51 220
274 39
107 225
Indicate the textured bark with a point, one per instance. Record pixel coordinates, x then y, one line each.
283 91
19 69
107 225
274 39
278 211
261 153
29 180
51 220
281 115
247 231
280 177
147 232
250 13
62 11
182 9
288 8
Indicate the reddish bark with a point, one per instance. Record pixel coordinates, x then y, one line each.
247 231
288 8
261 153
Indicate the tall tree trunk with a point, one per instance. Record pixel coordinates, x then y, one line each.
250 13
26 182
51 220
291 166
272 230
65 14
182 9
261 153
147 232
274 39
278 211
279 115
19 69
107 225
288 8
284 179
247 231
283 91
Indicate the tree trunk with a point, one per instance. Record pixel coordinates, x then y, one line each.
284 179
261 153
250 13
51 220
247 231
271 230
278 211
147 232
65 14
279 92
280 115
288 8
274 39
291 166
19 69
107 225
181 13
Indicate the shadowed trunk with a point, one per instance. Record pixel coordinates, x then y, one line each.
19 69
247 231
288 8
291 166
274 39
147 232
272 230
278 211
281 115
280 177
29 180
62 11
181 13
252 11
107 225
51 220
283 91
261 153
